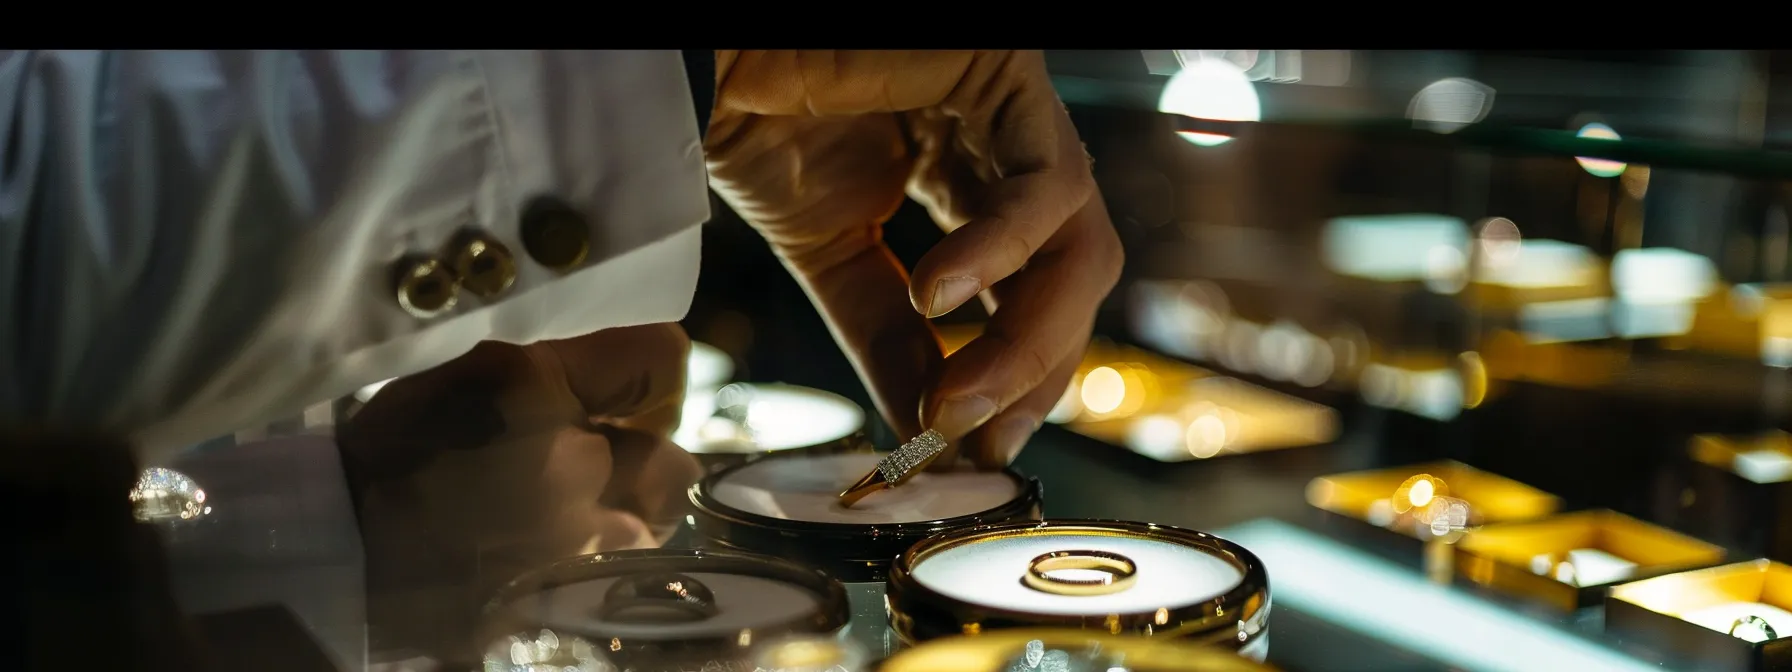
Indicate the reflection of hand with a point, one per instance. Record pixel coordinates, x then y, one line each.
509 458
816 149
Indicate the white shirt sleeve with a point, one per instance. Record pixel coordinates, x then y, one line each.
192 242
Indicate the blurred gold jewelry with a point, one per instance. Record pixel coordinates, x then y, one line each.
1757 623
1118 571
896 468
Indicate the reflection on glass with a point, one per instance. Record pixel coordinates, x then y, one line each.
545 652
1448 105
764 417
1599 167
167 495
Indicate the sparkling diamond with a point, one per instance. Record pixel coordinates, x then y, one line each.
898 464
167 495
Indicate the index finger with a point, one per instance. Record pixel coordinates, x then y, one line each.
1044 179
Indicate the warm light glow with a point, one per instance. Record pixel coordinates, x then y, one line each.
1157 436
1474 379
1210 89
1104 389
1599 167
1206 436
1446 269
1421 492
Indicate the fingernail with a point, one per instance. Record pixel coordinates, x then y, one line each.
950 293
1006 438
960 415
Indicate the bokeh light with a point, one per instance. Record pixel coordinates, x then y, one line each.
1448 105
1599 167
1210 89
1497 242
1104 389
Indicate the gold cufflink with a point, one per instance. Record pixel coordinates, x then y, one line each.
555 235
484 266
426 288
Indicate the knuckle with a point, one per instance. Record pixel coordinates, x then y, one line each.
1012 248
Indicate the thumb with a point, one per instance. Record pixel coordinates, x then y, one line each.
626 375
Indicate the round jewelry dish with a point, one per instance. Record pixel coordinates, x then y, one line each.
788 506
1106 576
1059 650
741 422
653 610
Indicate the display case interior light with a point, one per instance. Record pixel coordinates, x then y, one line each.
1214 416
1567 561
1543 264
1427 386
1662 275
1750 321
1172 411
1658 290
1711 617
1369 596
707 367
1566 321
1392 248
1408 499
1763 458
743 418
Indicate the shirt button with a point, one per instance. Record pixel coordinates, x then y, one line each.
426 288
555 235
483 265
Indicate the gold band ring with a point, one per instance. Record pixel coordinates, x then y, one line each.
1118 573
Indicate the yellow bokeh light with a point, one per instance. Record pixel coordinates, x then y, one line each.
1421 493
1104 389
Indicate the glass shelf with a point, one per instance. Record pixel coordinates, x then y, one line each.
1490 137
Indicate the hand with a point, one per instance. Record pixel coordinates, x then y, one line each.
507 459
816 150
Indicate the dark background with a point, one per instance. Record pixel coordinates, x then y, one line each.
1620 447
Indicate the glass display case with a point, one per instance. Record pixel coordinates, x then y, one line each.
1422 360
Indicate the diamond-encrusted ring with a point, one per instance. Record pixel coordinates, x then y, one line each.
658 597
897 467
